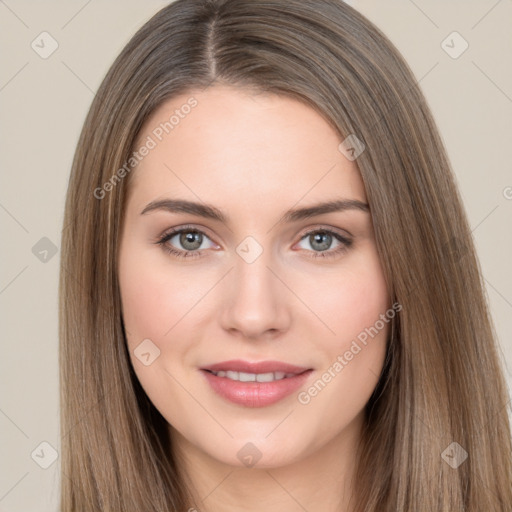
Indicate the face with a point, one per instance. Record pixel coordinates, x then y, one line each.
256 324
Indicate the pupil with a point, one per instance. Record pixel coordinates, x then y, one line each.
189 240
318 237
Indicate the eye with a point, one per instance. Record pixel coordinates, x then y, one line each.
321 240
186 242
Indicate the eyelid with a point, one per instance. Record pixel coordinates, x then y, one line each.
324 227
168 233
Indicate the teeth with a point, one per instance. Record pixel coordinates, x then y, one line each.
269 377
253 377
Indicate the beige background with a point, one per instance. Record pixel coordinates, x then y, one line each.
43 104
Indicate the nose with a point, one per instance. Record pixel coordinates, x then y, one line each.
256 303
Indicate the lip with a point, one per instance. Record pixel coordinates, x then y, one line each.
256 394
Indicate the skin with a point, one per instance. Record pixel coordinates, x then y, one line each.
253 156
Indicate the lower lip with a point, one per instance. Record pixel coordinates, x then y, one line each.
255 394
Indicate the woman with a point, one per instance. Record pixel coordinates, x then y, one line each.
269 292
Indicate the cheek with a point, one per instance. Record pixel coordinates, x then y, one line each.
157 304
351 300
155 299
351 306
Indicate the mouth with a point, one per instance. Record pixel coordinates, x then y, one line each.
255 384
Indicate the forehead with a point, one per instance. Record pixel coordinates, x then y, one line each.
234 147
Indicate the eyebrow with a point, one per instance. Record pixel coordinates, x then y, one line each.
293 215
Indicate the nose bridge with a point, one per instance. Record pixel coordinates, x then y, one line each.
254 279
256 300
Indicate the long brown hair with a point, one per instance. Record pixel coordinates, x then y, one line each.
442 382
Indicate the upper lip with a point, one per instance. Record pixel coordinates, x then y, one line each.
237 365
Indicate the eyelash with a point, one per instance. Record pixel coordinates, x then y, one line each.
162 241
